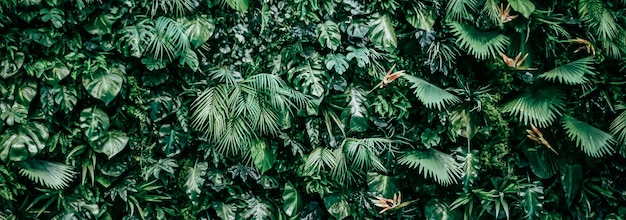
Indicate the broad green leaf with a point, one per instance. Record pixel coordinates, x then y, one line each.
104 85
195 180
310 77
199 29
25 92
543 163
13 114
422 18
328 34
435 210
337 62
263 156
57 73
134 39
42 36
430 138
337 206
355 113
54 15
23 142
431 95
382 185
110 143
257 209
471 168
382 33
225 211
94 123
524 7
101 24
292 200
571 180
463 123
172 139
361 54
532 196
65 96
239 5
9 67
190 58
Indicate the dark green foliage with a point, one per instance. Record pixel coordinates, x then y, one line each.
249 109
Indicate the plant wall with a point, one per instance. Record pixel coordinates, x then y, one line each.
323 109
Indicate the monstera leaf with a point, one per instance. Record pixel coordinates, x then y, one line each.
110 143
337 62
58 72
25 92
310 77
101 24
104 84
362 56
292 200
94 123
12 114
23 142
337 206
135 38
173 140
195 180
382 185
382 33
328 34
199 29
55 16
9 67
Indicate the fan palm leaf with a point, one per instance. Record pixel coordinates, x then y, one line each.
593 141
618 127
539 106
481 44
431 95
50 174
433 164
460 9
320 158
573 73
596 14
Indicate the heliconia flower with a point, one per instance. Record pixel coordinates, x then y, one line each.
586 45
390 77
504 14
390 204
537 136
515 63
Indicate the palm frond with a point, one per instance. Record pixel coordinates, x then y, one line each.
170 39
50 174
492 9
481 44
460 9
593 141
433 164
596 14
363 154
539 106
225 75
618 127
573 73
320 158
431 95
178 7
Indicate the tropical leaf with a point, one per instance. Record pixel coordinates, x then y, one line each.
382 33
54 15
51 174
239 5
457 10
355 114
481 44
168 39
596 14
538 106
593 141
436 210
65 96
94 123
573 73
110 143
177 7
543 163
433 164
263 156
531 200
337 62
101 24
337 206
319 158
431 95
173 140
421 16
572 180
471 168
618 127
361 54
463 123
23 142
310 77
524 7
292 200
328 35
134 39
225 211
104 84
382 185
9 67
195 180
199 29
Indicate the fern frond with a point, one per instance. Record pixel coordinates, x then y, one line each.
431 95
573 73
539 106
50 174
433 164
481 44
593 141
